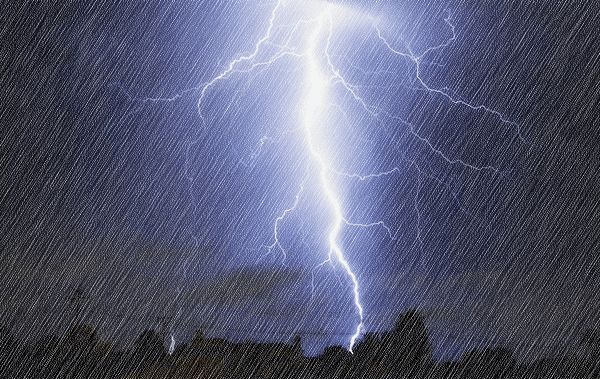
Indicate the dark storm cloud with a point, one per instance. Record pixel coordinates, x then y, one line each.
246 285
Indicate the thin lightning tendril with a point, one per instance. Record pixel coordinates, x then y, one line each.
418 59
276 244
320 76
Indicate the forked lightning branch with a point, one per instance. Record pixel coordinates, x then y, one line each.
313 22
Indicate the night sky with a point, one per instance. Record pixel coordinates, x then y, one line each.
121 176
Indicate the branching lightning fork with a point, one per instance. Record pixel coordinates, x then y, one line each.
320 75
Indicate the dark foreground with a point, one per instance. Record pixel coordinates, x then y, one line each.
404 352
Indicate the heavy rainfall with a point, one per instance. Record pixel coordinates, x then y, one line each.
302 189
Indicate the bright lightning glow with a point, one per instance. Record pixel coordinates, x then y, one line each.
316 100
317 83
172 345
320 76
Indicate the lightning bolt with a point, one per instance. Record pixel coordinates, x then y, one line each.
318 83
321 75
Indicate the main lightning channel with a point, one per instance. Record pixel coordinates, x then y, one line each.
316 96
320 76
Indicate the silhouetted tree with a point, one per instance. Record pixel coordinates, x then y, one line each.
488 363
368 360
81 337
81 346
335 362
403 352
407 349
148 347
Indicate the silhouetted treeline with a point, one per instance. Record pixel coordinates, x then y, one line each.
403 352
